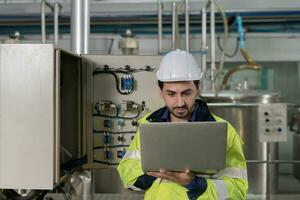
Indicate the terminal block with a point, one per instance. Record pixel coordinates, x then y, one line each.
127 83
128 106
106 138
106 106
121 123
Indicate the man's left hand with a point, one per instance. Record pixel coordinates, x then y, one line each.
182 178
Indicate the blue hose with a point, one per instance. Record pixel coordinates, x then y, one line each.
240 31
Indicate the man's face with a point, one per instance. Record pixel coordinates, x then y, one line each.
180 98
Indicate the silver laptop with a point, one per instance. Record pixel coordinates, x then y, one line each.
198 146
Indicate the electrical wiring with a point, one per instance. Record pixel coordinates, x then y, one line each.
72 164
110 146
113 73
116 133
127 82
105 162
133 117
106 116
116 116
129 69
60 189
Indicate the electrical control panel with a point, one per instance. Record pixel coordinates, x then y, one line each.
124 89
114 130
272 122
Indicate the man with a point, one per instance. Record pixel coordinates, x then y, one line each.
178 79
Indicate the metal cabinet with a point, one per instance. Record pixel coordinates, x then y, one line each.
40 110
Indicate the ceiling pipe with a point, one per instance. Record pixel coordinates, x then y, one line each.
159 26
80 26
187 26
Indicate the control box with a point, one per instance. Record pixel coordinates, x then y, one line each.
272 122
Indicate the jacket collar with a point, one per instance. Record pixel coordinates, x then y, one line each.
202 115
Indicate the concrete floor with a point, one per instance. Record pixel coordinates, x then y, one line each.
289 189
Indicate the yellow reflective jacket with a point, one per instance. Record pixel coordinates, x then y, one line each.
230 183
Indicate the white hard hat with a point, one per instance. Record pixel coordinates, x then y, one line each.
178 65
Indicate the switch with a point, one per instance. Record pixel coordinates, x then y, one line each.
107 123
266 113
108 154
120 154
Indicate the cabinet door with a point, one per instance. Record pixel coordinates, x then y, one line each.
28 116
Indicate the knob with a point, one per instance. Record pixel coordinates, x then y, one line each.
266 113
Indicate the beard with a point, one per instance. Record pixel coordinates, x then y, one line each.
183 112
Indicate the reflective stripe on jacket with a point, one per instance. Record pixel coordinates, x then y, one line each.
230 183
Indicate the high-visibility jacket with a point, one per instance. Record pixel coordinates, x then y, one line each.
230 183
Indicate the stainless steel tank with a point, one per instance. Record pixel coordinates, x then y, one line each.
296 155
295 127
241 110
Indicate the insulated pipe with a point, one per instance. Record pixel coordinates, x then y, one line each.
174 14
204 48
212 45
187 26
80 26
159 26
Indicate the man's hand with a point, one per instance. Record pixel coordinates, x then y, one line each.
182 178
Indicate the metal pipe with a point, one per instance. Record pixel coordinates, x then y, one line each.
86 26
76 27
159 26
204 49
269 158
43 25
187 26
44 3
212 45
174 14
273 161
56 25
